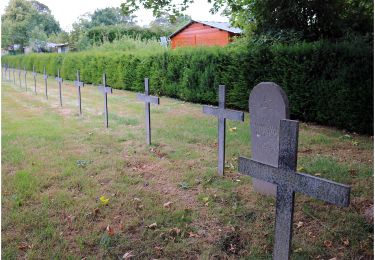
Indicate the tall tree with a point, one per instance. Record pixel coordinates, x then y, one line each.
21 17
313 19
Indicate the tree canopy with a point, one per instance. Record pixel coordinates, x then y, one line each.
24 19
311 19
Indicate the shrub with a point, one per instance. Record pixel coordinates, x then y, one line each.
327 83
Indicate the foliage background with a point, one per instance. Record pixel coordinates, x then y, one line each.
326 82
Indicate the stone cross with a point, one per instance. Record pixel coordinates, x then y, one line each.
4 72
45 76
25 72
34 76
105 89
19 75
288 181
59 80
79 84
14 75
148 99
222 114
268 104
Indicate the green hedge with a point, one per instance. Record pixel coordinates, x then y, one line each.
327 83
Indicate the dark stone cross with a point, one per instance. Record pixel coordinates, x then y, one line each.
25 72
34 76
79 84
105 89
222 114
45 76
14 75
148 99
59 80
19 76
288 181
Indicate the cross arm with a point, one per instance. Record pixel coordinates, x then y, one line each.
105 89
59 79
225 113
148 99
45 76
329 191
78 83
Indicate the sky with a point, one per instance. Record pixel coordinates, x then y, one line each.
67 12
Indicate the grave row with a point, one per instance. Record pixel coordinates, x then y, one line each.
274 149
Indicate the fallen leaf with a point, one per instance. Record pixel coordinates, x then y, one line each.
110 231
104 200
175 231
327 243
317 174
167 204
191 234
300 169
233 129
24 246
333 258
137 199
298 250
299 224
346 242
153 225
128 255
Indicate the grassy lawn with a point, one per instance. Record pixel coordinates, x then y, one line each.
163 201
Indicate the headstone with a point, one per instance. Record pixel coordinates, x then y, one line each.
78 84
105 89
222 114
34 76
45 76
148 99
288 181
268 104
25 72
59 80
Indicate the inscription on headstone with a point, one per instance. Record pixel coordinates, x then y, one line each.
45 76
222 114
59 80
287 181
268 104
148 99
105 89
79 84
34 76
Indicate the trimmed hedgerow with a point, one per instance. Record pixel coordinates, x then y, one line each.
326 83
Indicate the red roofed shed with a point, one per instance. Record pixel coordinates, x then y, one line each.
197 33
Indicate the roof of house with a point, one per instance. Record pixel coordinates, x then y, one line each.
219 25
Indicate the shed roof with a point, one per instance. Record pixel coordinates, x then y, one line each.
225 26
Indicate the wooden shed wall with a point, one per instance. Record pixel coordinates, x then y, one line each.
200 34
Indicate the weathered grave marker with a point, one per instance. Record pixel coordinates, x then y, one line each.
79 84
19 75
59 80
222 114
268 104
14 75
25 72
45 76
34 76
288 181
105 89
148 99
